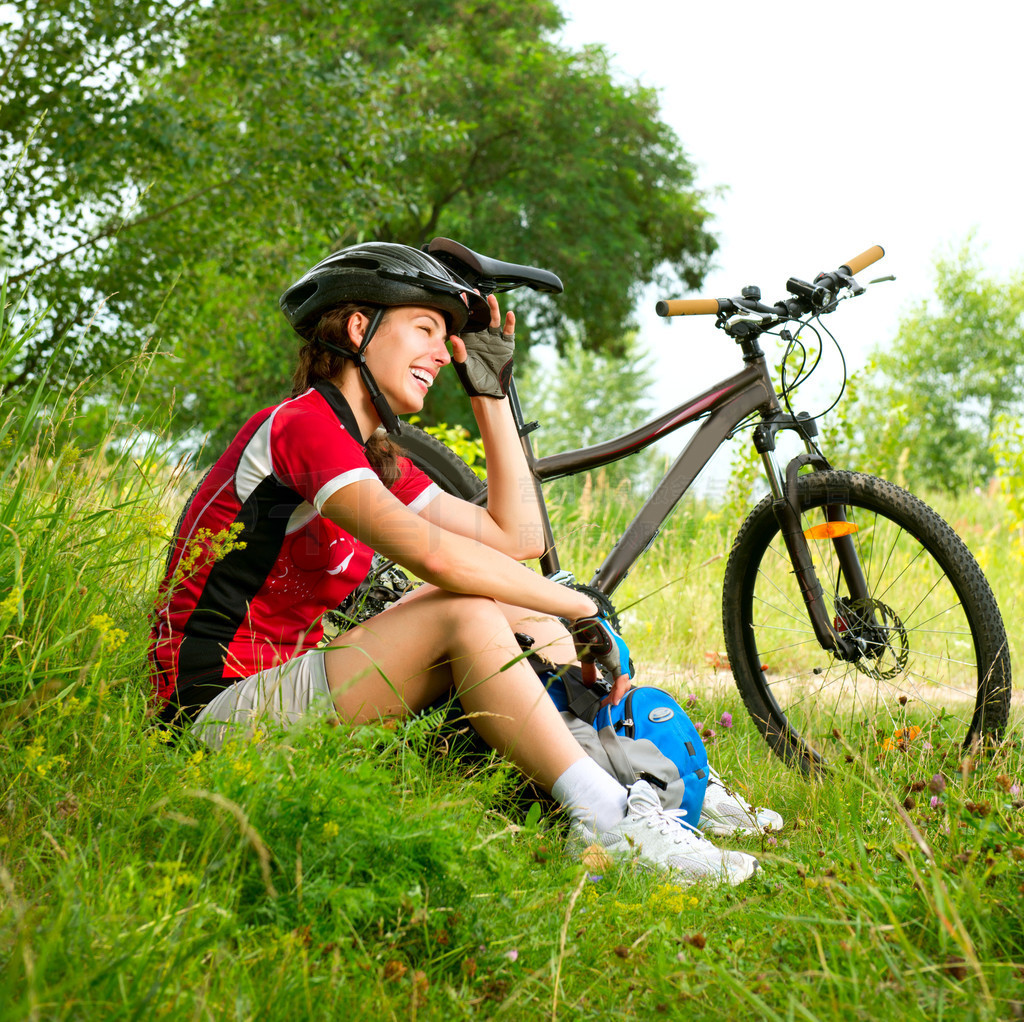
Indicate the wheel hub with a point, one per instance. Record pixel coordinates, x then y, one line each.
877 632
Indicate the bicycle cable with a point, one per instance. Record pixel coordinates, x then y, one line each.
787 391
845 375
804 372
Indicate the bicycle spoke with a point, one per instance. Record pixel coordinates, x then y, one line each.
914 668
797 606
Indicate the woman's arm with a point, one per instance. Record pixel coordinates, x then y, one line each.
511 522
447 559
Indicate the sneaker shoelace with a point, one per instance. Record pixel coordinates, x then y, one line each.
665 821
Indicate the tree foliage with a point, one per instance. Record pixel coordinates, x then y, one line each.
931 404
171 166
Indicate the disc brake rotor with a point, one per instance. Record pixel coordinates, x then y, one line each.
878 632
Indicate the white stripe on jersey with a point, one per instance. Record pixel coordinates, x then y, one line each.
338 482
432 491
255 464
300 517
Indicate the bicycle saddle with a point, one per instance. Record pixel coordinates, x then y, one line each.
491 275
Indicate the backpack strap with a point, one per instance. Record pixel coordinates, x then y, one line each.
582 702
613 749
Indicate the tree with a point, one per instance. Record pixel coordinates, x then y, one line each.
163 172
932 402
68 74
559 163
201 173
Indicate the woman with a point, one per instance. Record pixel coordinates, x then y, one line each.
284 526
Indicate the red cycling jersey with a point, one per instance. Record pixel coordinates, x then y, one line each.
255 564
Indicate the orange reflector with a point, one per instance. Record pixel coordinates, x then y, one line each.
830 530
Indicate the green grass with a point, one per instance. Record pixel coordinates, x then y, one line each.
370 874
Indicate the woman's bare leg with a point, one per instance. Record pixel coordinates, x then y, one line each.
552 640
403 659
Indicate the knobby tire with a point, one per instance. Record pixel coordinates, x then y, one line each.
937 669
443 467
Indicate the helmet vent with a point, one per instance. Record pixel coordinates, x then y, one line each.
302 294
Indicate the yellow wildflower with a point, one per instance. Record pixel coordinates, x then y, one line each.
37 761
669 897
243 768
10 603
214 545
35 751
69 706
110 637
153 521
173 876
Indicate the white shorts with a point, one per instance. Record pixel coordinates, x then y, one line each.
279 696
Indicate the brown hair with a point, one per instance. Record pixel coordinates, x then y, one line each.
317 363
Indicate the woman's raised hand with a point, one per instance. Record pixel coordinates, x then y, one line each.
483 361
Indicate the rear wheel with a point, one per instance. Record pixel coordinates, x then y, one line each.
443 467
933 667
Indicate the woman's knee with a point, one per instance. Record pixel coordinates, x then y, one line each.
551 639
475 615
460 613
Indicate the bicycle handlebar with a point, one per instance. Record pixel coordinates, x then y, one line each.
820 294
689 307
866 258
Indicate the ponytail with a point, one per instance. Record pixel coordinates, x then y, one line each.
317 362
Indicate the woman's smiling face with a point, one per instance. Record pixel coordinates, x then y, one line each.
407 353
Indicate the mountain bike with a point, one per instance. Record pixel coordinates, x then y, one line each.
854 616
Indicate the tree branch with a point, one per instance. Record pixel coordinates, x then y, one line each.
110 230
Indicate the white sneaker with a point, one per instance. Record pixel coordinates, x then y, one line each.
725 814
657 838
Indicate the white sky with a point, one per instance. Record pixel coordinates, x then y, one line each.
834 127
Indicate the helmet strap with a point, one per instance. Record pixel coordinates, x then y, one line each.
387 417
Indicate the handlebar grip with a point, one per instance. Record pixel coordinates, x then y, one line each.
688 307
857 263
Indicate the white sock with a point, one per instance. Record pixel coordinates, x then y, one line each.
590 795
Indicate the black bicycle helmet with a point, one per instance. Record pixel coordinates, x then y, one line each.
382 273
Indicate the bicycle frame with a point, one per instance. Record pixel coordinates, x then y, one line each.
725 405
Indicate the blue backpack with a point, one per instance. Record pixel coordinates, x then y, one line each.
648 737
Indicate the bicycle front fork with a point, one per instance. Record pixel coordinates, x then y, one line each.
786 505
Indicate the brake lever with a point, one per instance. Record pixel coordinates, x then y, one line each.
839 280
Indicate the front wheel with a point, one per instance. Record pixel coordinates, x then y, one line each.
933 667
